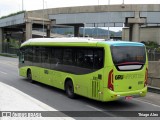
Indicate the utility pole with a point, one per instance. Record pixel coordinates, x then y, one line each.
43 18
22 6
108 20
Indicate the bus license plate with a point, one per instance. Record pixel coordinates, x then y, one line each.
128 97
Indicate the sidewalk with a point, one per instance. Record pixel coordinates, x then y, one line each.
12 99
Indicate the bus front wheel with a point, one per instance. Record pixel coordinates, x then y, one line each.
29 76
69 88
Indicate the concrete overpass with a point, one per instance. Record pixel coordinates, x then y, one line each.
132 16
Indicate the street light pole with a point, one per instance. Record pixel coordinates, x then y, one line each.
22 5
43 18
108 19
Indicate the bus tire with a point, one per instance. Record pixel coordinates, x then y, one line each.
29 76
69 88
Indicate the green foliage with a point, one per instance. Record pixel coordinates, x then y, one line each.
151 44
8 55
14 43
158 49
112 34
12 14
66 33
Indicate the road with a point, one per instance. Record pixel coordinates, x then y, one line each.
57 99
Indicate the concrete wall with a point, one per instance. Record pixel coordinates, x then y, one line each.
146 34
1 38
154 73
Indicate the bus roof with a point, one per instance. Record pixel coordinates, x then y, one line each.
123 43
80 40
61 40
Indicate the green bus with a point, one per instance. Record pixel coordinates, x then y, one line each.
94 68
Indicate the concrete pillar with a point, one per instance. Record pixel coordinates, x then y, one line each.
48 31
23 36
130 32
136 33
1 39
136 26
28 30
76 31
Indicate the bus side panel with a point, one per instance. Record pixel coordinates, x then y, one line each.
23 71
49 77
81 84
58 79
89 85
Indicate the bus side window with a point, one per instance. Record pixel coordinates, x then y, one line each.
30 55
36 56
98 59
56 56
68 56
45 57
85 58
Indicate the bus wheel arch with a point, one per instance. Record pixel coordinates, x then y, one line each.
69 88
29 75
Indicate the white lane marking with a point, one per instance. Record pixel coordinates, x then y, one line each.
147 102
94 108
3 72
105 112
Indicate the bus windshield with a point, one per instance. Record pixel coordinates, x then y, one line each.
128 55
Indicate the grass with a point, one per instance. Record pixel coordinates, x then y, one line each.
12 14
8 55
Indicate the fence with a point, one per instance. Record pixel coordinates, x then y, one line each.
7 48
153 55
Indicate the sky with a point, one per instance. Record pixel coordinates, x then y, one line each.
12 6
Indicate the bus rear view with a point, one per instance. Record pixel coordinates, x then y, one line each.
127 76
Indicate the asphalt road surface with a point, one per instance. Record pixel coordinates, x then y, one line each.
57 99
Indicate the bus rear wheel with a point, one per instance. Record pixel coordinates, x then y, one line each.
29 76
69 88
